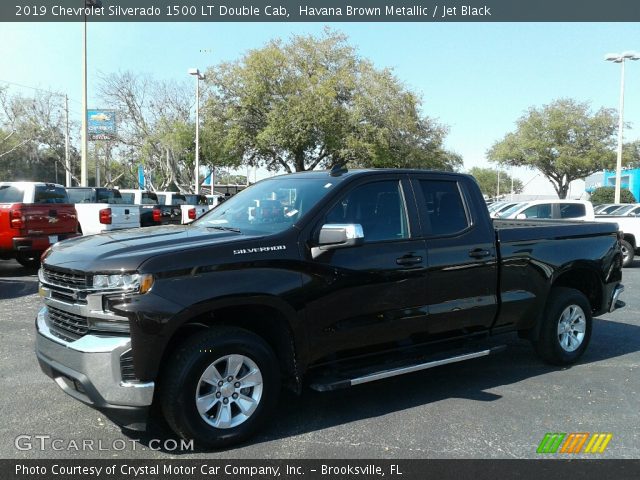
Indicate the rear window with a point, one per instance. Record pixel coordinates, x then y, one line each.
50 194
109 196
80 195
538 211
178 199
128 197
572 210
162 198
149 198
196 199
10 194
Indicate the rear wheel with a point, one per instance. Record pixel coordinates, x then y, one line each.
220 387
627 253
29 260
566 327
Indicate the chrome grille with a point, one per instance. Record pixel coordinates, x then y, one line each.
67 326
64 278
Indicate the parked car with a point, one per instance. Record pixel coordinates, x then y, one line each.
629 210
630 242
602 206
609 208
356 276
102 210
200 202
152 213
551 209
33 216
189 212
497 212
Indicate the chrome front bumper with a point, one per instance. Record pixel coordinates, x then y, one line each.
615 302
88 369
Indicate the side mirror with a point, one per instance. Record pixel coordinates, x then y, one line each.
521 216
338 235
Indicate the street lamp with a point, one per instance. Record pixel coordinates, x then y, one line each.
620 58
199 76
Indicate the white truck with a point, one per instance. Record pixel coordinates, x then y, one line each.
189 211
102 209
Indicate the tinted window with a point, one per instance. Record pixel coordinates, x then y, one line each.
10 194
80 195
196 199
128 197
572 210
149 198
378 207
178 199
50 194
162 198
444 206
538 211
109 196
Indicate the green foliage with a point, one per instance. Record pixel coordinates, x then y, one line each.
607 195
631 154
487 179
312 101
563 140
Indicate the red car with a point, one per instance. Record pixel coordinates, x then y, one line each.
33 216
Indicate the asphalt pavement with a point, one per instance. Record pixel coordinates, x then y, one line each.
494 407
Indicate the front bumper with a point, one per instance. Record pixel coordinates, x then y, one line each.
89 370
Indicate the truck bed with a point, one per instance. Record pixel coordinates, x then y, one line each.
519 230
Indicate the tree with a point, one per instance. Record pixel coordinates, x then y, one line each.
631 154
154 127
313 102
607 195
487 179
563 140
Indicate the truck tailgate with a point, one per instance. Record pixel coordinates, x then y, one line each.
48 218
124 216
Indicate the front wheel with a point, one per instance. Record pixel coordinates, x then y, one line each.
219 387
566 327
627 253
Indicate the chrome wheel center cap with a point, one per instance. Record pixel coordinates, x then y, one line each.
227 389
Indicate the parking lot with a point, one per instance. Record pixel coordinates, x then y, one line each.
495 407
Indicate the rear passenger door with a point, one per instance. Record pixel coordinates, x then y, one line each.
462 277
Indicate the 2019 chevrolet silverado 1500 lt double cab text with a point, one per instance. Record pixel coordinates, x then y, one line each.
326 279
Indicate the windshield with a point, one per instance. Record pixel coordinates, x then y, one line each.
269 206
507 213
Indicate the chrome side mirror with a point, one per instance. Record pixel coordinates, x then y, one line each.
338 235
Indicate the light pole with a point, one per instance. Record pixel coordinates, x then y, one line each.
83 134
199 76
620 58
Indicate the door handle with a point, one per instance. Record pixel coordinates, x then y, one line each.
479 253
409 260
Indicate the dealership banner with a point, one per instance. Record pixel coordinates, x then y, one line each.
208 469
321 11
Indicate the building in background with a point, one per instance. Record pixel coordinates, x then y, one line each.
630 179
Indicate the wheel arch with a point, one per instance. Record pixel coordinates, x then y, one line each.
264 317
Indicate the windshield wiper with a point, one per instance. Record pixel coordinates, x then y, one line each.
227 229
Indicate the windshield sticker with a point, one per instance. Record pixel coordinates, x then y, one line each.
291 213
328 185
244 251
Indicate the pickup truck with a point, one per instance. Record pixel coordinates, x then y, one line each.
320 279
102 210
152 213
189 212
200 203
33 216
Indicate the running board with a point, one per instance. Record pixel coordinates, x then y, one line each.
336 384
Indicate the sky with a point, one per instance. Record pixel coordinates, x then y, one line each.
476 78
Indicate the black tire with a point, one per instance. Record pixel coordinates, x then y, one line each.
30 260
550 345
627 253
181 382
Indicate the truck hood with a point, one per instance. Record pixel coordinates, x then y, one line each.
128 249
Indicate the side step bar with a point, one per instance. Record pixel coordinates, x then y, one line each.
401 370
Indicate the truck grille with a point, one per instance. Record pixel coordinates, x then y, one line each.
64 278
67 326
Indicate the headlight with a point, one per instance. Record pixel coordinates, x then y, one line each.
124 281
